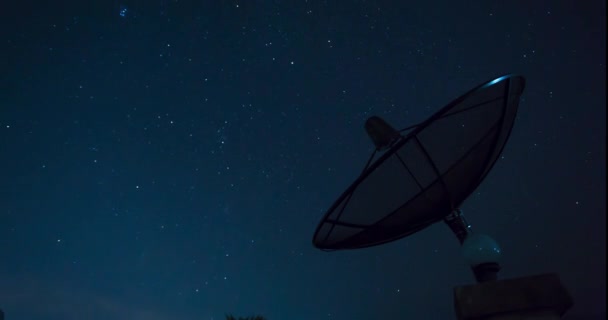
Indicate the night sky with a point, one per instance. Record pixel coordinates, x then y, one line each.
166 159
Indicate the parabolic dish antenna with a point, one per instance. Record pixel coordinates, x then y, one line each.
426 174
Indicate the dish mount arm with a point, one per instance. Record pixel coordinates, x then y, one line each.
458 225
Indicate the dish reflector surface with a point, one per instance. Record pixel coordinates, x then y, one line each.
428 173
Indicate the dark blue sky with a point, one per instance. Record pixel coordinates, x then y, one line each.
173 161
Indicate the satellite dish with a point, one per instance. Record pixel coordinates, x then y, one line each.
425 175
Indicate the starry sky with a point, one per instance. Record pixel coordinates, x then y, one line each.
166 159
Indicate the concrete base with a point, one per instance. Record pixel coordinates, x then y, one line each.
540 297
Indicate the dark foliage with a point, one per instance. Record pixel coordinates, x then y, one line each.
231 317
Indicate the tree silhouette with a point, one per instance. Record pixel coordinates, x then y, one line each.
231 317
